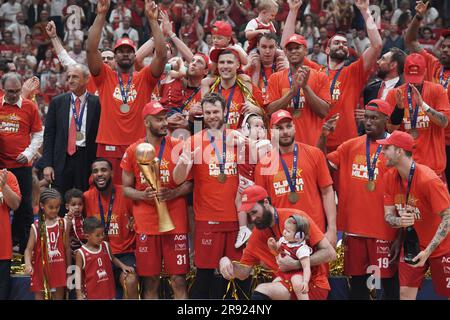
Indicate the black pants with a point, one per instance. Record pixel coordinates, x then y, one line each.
75 174
23 216
447 168
5 267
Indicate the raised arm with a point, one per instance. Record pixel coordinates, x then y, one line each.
412 31
94 56
166 26
160 57
61 52
291 20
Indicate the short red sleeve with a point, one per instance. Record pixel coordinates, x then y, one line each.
323 173
388 182
437 195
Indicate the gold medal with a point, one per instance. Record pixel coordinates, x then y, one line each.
414 133
296 113
370 185
125 108
293 197
80 136
222 177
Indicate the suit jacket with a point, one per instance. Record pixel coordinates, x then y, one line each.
371 90
32 17
56 131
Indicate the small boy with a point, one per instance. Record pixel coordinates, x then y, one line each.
267 10
74 216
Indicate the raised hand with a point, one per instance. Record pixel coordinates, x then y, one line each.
103 6
362 5
399 99
51 29
166 25
295 4
417 96
330 125
421 8
151 10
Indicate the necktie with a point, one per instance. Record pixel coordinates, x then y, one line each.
71 143
380 91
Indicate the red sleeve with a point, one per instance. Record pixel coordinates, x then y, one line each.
101 77
431 62
36 124
441 102
146 73
257 94
437 195
273 91
127 163
333 158
249 256
322 87
11 181
315 235
390 98
388 183
312 64
358 74
323 173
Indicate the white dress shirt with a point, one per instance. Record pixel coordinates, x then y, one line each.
83 102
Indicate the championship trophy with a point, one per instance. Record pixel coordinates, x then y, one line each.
149 165
411 247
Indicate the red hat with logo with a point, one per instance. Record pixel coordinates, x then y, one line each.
380 106
251 196
215 53
279 116
399 139
125 42
415 67
221 28
298 39
152 108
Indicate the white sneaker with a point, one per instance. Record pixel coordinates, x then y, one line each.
242 237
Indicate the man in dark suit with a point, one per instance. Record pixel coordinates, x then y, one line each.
70 131
33 13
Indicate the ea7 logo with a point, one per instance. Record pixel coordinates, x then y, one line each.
446 269
446 260
382 250
180 246
206 242
179 237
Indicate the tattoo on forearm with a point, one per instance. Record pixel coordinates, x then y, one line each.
440 117
392 220
441 233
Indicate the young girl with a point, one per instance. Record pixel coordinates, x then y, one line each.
94 258
74 206
47 253
293 243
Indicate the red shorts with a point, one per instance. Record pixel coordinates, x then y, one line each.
113 154
315 293
360 253
151 250
217 242
57 276
410 276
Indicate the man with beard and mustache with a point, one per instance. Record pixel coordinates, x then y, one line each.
213 166
301 90
123 92
152 246
347 82
361 168
269 221
296 176
438 70
415 196
426 112
108 204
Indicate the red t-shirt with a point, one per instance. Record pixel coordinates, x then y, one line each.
312 175
144 212
117 128
344 100
171 93
257 252
430 144
428 197
5 225
120 237
16 126
91 86
360 212
308 125
213 201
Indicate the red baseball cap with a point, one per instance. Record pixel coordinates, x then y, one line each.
221 28
279 115
298 39
415 67
250 196
125 42
380 106
215 53
399 139
152 108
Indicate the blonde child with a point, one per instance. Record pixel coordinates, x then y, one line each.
48 252
267 10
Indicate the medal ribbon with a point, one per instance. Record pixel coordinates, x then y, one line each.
296 98
292 181
185 103
216 150
230 98
263 74
277 223
78 120
124 92
410 178
441 79
371 167
333 83
102 212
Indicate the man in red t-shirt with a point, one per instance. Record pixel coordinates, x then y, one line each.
426 112
107 203
415 196
269 221
9 200
123 92
153 246
21 136
361 167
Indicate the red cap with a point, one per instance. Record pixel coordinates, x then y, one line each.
399 139
250 196
380 106
205 57
152 108
279 115
221 28
298 39
415 67
125 42
215 53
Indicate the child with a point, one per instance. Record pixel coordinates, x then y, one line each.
222 37
267 10
74 206
48 253
252 145
292 243
94 258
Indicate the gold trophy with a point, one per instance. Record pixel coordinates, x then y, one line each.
149 165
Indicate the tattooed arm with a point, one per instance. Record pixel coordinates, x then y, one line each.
437 117
391 217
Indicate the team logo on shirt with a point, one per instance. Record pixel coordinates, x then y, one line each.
359 168
423 121
281 185
336 91
102 275
132 93
9 123
399 201
163 171
230 165
234 114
